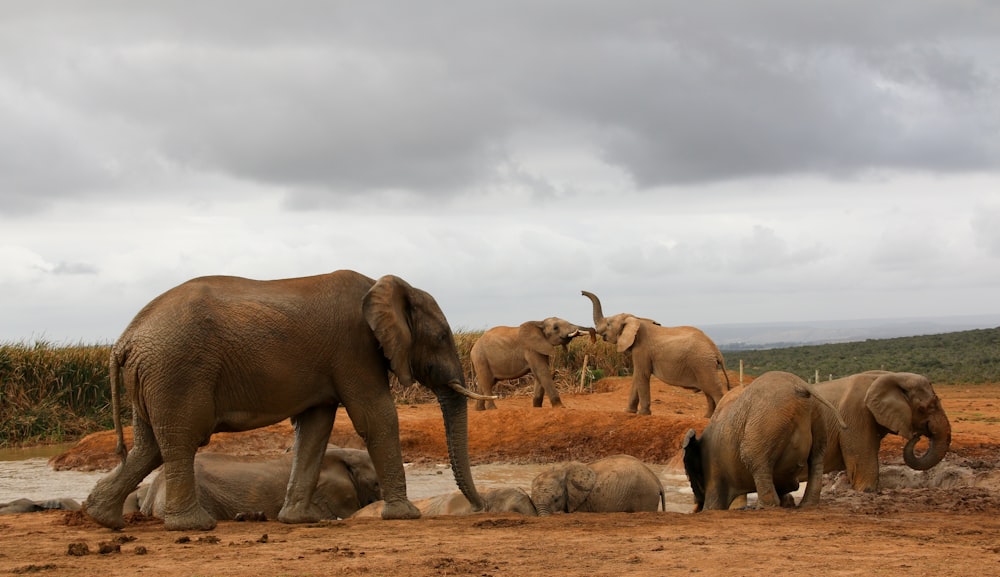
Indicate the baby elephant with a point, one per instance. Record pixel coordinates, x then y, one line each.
229 486
499 500
619 483
763 437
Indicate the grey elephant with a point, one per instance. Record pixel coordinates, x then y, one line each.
497 500
874 404
512 352
681 356
620 483
231 354
763 437
34 506
229 486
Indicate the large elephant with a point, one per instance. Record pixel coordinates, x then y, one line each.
230 354
681 356
874 404
498 500
230 485
763 437
620 483
512 352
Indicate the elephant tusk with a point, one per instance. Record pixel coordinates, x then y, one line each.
457 387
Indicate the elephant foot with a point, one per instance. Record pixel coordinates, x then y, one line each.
536 402
197 519
292 516
557 404
104 516
400 510
630 410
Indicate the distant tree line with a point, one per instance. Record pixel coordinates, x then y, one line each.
960 357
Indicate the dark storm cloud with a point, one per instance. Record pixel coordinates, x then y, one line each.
424 98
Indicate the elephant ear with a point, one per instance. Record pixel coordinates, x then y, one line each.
532 337
889 405
627 336
386 308
580 481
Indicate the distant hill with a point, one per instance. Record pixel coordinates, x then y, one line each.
957 357
774 335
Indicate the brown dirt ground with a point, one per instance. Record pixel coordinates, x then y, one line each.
913 531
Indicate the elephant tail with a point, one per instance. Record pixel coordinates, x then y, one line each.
833 408
720 362
115 374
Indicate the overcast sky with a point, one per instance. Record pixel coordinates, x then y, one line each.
695 162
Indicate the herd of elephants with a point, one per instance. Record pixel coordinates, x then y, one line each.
221 353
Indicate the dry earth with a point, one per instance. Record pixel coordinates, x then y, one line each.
943 522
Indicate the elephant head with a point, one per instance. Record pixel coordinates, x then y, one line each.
419 345
562 489
544 336
620 329
906 404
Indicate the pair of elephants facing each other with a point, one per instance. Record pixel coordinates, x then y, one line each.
511 352
763 437
874 404
497 500
230 486
226 353
681 356
620 483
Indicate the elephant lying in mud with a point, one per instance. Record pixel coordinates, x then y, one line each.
500 500
31 506
512 352
763 437
874 404
620 483
229 486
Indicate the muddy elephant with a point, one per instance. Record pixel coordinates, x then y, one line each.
498 500
874 404
620 483
512 352
763 437
681 356
33 506
229 486
231 354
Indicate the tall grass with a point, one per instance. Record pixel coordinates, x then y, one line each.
52 394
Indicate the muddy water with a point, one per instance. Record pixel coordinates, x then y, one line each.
31 477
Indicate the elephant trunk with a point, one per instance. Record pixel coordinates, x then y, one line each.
598 313
939 436
455 411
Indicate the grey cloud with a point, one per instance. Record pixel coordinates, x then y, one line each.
331 99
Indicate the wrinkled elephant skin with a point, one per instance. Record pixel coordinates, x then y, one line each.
620 483
763 437
232 354
874 404
499 500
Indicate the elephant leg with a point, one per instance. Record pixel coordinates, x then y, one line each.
711 405
378 424
767 495
486 380
539 365
182 511
312 433
638 398
862 469
107 500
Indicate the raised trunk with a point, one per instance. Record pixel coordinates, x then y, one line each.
455 410
939 437
598 313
